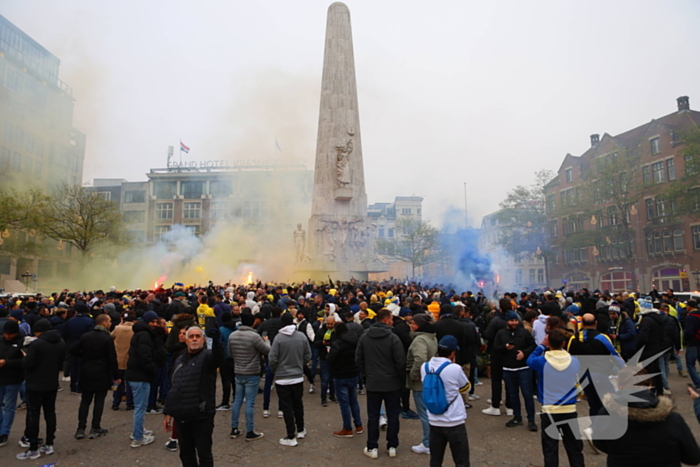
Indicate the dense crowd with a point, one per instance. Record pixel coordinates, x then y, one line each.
163 350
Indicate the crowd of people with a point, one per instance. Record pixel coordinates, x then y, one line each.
400 344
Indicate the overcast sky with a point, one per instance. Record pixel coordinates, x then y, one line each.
450 92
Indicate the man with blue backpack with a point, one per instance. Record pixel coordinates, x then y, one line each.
444 382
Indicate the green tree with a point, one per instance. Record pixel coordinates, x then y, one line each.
19 213
81 217
415 242
523 220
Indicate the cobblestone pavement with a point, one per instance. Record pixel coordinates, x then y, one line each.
491 443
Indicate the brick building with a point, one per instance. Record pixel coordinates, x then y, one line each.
661 248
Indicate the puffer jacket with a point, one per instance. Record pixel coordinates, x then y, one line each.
652 334
192 394
143 358
245 347
380 356
11 352
652 434
422 349
341 358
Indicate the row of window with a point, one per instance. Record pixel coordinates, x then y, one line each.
193 189
15 136
668 241
14 162
660 171
385 233
535 276
218 210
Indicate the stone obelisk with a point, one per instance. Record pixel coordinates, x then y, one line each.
341 238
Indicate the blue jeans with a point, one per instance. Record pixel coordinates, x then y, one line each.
246 387
161 377
327 385
423 414
691 356
520 379
679 363
346 391
140 391
665 367
269 377
8 406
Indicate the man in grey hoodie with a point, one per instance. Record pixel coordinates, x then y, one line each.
290 353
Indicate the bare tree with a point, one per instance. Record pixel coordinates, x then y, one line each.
415 242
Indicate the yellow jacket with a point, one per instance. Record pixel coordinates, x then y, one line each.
204 311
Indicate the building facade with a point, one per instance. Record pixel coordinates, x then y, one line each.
37 142
662 247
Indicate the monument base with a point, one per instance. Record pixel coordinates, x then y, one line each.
339 271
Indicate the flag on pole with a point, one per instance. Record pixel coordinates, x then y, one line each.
277 145
184 148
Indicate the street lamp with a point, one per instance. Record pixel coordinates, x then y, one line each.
26 277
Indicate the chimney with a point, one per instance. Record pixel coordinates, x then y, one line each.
683 103
595 139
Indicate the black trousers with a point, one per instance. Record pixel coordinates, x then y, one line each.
392 404
290 397
228 381
195 439
37 400
568 432
85 401
456 437
496 386
405 399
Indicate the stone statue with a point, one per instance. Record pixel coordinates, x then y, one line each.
299 243
329 252
343 163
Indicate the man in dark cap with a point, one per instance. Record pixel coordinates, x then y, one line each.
42 362
11 376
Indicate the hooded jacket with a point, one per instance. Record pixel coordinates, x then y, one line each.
655 435
11 352
122 335
289 354
538 328
422 349
180 321
380 356
652 333
44 361
143 357
560 372
341 358
251 303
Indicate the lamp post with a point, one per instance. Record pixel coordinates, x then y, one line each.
26 277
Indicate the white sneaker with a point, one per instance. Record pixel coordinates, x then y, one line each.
288 442
46 449
473 397
301 434
266 413
392 452
492 411
420 449
65 379
371 453
145 441
382 422
509 412
280 414
667 391
145 433
479 383
312 388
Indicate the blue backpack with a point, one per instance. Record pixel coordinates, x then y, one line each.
434 397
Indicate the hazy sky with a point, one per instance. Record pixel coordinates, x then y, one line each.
450 92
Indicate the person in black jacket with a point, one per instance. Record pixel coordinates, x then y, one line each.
402 329
144 358
380 356
341 359
653 341
43 360
71 332
644 430
99 356
191 403
497 323
514 344
11 377
270 327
